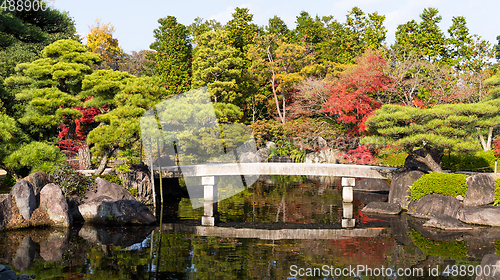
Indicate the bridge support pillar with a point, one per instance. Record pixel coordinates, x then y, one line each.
347 199
210 196
347 184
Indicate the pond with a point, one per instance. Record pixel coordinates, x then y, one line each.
285 227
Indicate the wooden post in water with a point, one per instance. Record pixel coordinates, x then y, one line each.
159 172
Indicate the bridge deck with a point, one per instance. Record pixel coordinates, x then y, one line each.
314 169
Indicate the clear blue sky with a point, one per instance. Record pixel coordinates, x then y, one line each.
134 21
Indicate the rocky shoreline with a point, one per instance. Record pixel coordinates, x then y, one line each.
36 201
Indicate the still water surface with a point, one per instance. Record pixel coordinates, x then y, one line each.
283 227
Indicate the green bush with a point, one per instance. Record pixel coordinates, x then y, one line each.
439 183
479 161
110 178
72 182
497 193
390 157
33 157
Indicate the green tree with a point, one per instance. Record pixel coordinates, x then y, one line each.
119 128
278 27
198 27
449 126
425 38
173 55
241 29
48 88
217 65
23 35
308 29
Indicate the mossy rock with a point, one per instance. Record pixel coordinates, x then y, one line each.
439 183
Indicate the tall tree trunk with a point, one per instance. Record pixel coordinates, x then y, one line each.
84 157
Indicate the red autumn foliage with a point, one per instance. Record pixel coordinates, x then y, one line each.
360 155
496 146
359 92
81 131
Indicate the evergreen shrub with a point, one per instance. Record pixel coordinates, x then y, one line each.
497 193
439 183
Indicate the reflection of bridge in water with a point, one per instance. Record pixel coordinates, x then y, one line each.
210 172
274 234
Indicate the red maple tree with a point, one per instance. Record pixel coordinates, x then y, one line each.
359 91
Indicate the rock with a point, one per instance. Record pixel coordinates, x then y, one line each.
38 180
493 262
53 201
52 248
25 198
433 205
114 236
5 211
480 215
480 190
402 179
371 185
105 210
446 222
382 208
263 154
25 254
323 156
412 164
271 144
105 188
6 273
460 197
280 159
249 157
138 178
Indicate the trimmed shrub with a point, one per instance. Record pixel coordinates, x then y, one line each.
390 156
479 161
497 193
439 183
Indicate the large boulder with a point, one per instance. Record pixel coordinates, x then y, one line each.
25 199
382 208
323 156
38 180
105 188
480 190
54 203
446 222
138 178
280 159
480 215
400 191
493 263
433 205
263 154
5 210
105 210
371 185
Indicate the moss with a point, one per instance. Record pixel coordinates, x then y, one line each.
453 249
439 183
